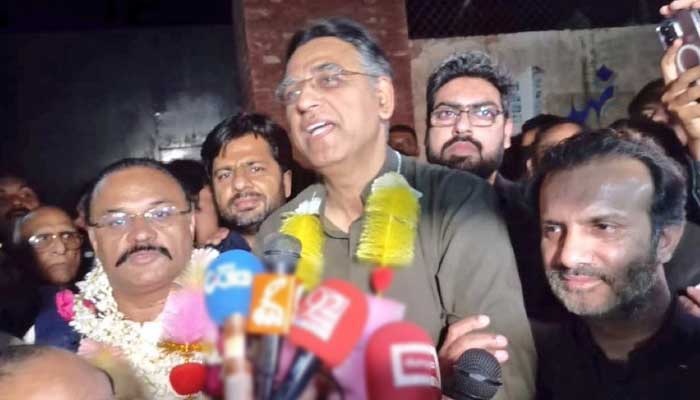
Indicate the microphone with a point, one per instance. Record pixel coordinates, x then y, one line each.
401 363
350 375
329 323
273 304
477 376
227 288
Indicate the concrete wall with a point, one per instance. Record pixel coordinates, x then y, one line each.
571 62
75 102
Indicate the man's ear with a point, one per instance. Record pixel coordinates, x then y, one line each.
93 239
192 223
385 93
507 133
669 238
287 183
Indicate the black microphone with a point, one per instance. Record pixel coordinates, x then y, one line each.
477 376
280 255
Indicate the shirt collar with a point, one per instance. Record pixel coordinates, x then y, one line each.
392 163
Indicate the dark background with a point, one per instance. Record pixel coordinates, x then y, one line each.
86 82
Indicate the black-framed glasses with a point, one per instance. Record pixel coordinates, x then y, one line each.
119 221
325 78
481 115
72 240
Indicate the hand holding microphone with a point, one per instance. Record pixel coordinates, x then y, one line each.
463 337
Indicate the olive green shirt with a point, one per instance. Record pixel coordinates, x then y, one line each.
463 263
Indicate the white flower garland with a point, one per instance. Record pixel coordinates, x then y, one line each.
137 342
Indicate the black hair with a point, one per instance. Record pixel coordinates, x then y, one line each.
472 64
651 93
538 121
127 163
542 131
403 128
191 174
242 124
668 202
373 58
662 134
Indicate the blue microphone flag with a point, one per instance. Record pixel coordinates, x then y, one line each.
228 284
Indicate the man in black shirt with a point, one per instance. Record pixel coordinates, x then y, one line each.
612 211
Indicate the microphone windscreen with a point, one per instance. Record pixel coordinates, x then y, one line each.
330 321
228 284
477 375
401 363
281 253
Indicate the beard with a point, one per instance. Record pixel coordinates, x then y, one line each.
249 221
629 288
482 165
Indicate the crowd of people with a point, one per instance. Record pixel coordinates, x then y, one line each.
570 254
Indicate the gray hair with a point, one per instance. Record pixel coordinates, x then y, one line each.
374 60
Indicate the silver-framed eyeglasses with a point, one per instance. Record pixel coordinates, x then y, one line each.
481 115
325 78
72 240
161 216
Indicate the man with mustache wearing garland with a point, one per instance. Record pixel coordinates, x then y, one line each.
338 96
141 226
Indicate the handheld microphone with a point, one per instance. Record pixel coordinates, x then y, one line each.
227 288
477 376
401 363
273 304
328 324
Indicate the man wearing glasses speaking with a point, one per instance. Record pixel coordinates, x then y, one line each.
338 95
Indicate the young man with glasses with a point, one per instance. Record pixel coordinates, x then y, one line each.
338 95
469 128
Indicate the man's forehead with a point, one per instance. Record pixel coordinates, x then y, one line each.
320 51
136 185
12 183
46 216
612 184
250 145
469 87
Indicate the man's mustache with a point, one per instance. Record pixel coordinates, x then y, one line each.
16 212
122 259
591 272
243 195
456 139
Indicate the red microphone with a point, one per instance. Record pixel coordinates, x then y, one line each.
401 363
327 326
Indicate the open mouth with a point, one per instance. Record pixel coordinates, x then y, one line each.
319 128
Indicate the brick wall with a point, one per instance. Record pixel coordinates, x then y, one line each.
267 26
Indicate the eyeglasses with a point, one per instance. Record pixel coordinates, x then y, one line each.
325 78
161 217
482 115
42 241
